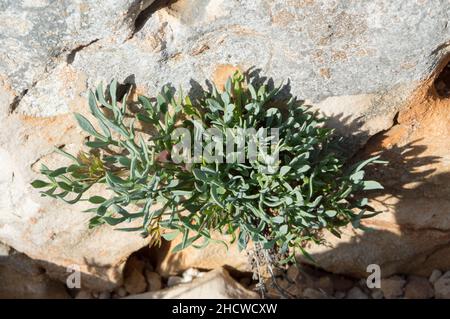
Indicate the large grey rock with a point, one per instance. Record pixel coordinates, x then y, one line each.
358 62
35 34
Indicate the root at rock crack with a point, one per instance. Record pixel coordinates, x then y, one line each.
264 263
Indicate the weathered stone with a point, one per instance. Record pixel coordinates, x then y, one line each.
212 256
412 233
104 295
121 292
435 275
216 284
36 34
84 294
325 284
377 294
356 293
153 281
442 286
358 63
311 293
22 278
174 280
339 295
292 273
418 288
4 250
134 279
341 283
393 287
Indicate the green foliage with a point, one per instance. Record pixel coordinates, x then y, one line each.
311 189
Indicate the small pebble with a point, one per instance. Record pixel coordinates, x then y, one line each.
418 288
340 294
310 293
191 273
435 275
442 286
153 281
392 287
121 292
104 295
292 273
377 294
83 294
174 280
356 293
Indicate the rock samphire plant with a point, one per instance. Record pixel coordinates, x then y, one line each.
279 199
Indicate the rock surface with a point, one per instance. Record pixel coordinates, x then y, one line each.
21 278
216 284
392 287
442 287
134 279
418 288
412 233
212 256
358 62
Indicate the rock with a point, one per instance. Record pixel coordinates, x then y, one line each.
104 295
412 233
153 281
418 288
435 275
216 284
339 295
4 250
134 279
121 292
191 273
292 273
22 278
345 63
442 286
84 294
341 283
246 281
54 233
356 293
325 284
311 293
210 257
377 294
393 287
38 33
175 280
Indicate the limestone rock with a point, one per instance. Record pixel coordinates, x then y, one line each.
211 257
442 286
134 279
216 284
418 288
84 294
393 287
21 278
412 233
311 293
356 293
357 62
435 275
174 280
153 280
